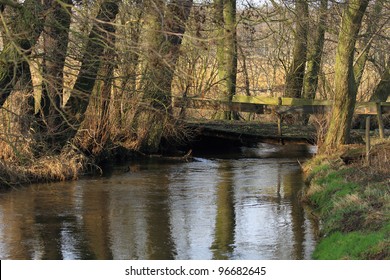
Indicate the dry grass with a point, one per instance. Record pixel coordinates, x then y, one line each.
23 157
66 166
349 199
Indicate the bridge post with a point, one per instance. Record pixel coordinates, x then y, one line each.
368 144
280 119
380 120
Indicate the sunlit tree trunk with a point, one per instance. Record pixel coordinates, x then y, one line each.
314 55
295 75
345 84
164 28
225 16
131 26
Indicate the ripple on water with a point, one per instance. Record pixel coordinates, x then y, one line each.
240 207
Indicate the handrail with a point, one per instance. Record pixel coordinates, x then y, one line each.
257 104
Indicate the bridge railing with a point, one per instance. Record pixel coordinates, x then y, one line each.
281 106
264 105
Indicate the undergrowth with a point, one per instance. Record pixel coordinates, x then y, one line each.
65 166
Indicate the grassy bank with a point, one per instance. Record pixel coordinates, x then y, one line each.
352 199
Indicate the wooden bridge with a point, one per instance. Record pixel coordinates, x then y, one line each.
279 107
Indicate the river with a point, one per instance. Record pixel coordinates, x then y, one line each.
241 204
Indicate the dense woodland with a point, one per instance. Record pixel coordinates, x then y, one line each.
81 78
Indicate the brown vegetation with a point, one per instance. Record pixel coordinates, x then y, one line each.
66 166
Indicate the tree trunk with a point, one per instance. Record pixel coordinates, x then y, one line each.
225 15
12 67
345 85
98 41
27 107
294 77
106 74
131 29
382 90
21 34
55 45
162 40
314 55
372 28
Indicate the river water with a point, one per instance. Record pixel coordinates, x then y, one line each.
241 204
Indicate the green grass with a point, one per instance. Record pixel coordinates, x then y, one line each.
354 212
334 186
354 245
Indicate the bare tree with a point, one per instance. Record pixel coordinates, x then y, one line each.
55 46
345 83
162 37
98 42
314 55
296 72
382 90
225 14
22 31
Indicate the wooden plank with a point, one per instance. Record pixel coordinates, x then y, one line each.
286 101
261 105
256 99
212 104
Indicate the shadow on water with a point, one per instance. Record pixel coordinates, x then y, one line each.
238 205
261 150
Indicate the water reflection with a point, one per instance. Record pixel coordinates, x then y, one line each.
233 208
160 245
95 223
223 244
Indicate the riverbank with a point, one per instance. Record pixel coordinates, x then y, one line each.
65 166
352 200
73 163
23 164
